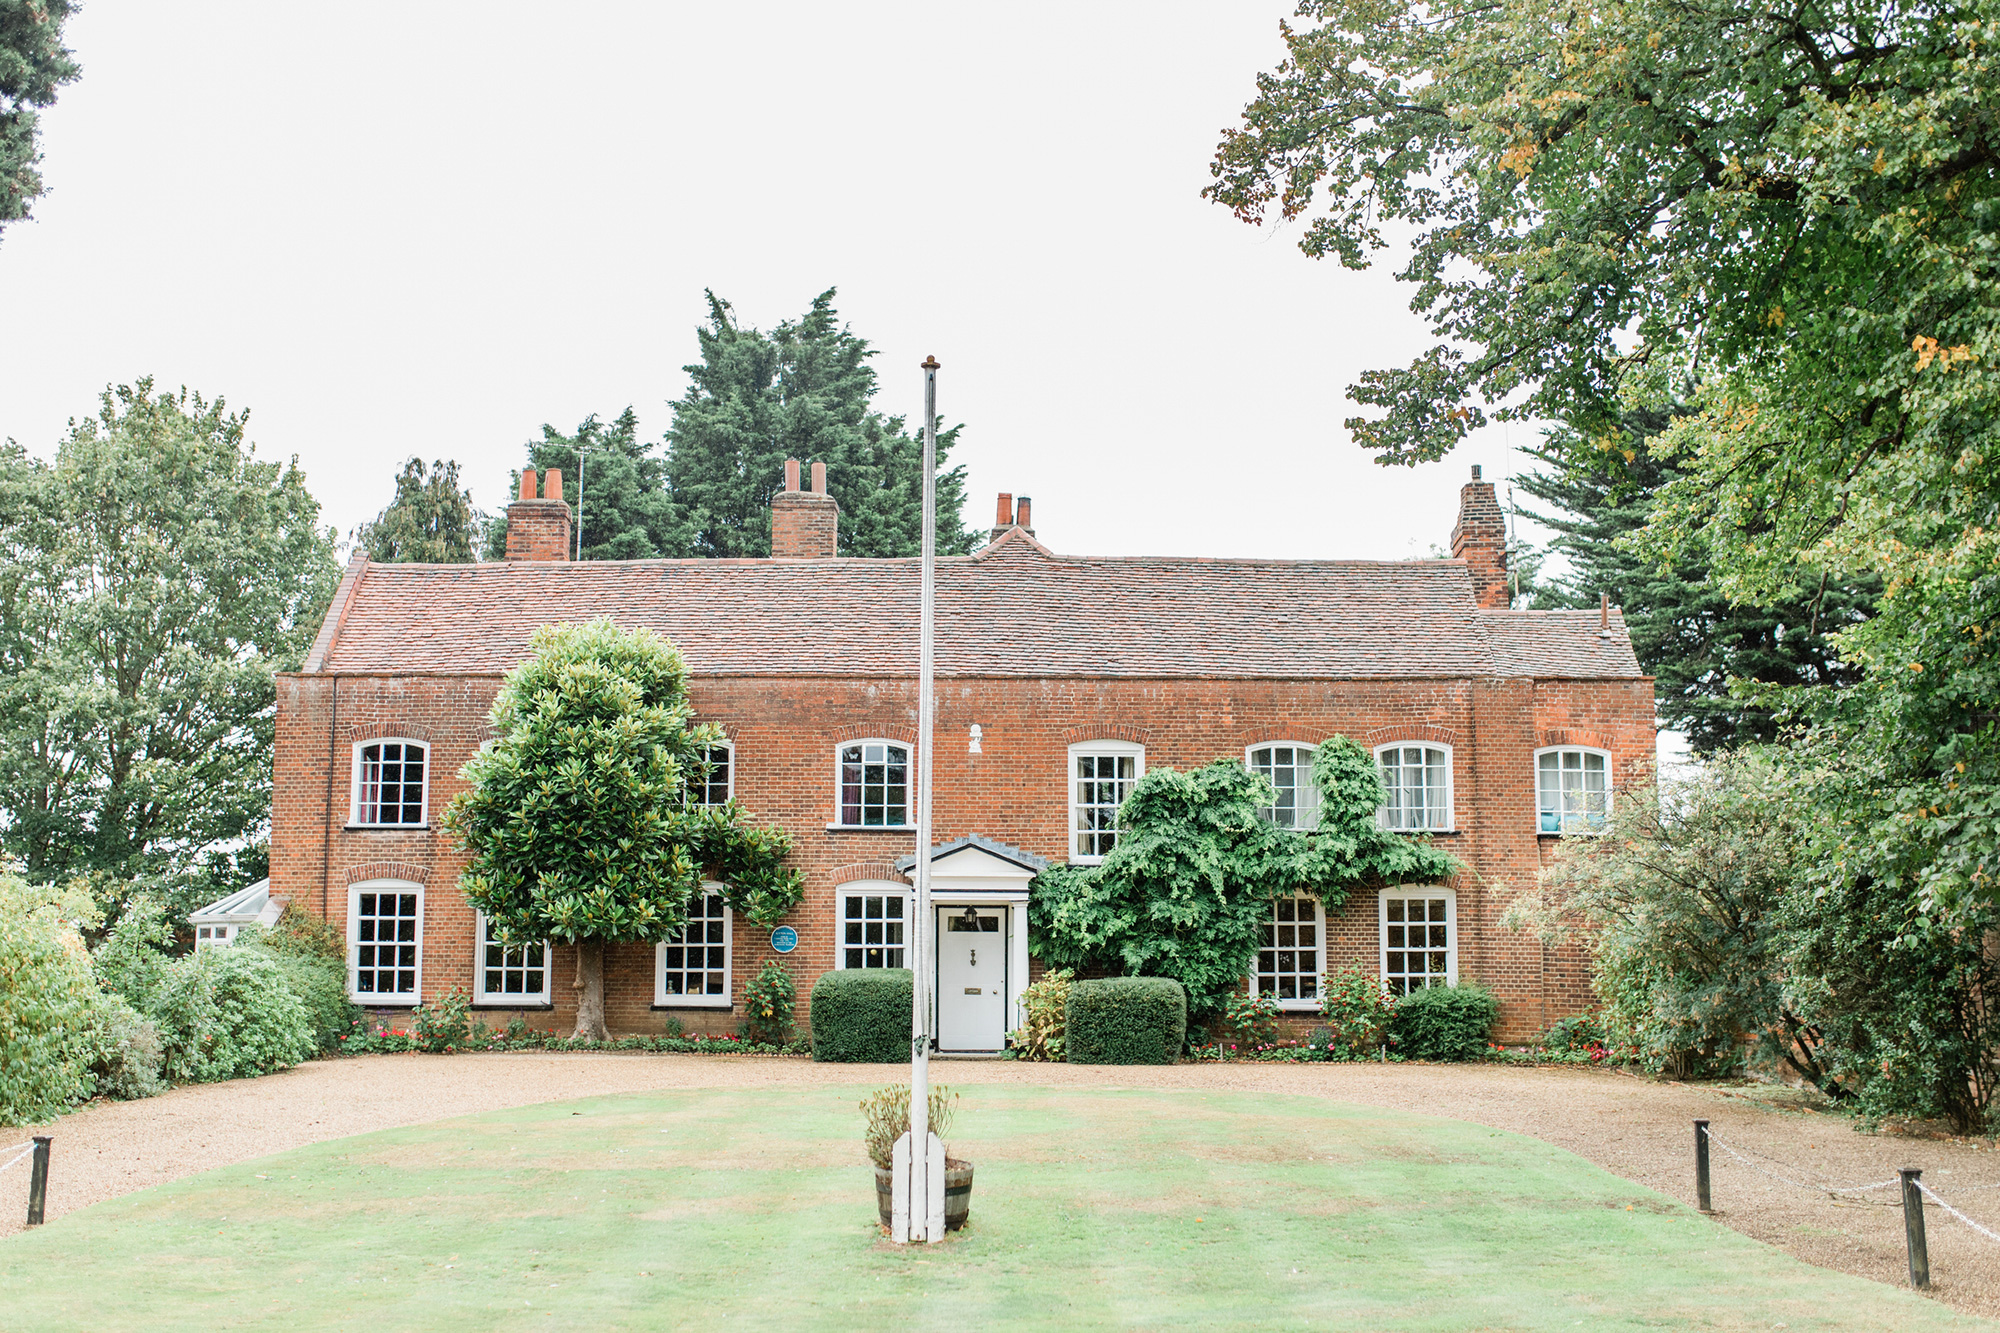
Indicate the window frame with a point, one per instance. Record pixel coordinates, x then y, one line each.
503 1000
1609 791
1450 824
1312 749
870 888
727 1000
378 999
1310 1005
354 785
1097 749
728 747
909 750
1406 891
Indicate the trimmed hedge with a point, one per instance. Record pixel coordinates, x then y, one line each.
1125 1021
862 1016
1443 1022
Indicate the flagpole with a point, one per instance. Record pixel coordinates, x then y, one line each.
921 1167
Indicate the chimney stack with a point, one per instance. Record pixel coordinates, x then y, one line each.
1480 539
1009 514
539 528
805 525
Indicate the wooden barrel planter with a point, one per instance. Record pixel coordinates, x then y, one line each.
957 1194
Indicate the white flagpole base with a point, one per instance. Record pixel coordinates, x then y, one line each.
934 1179
899 1208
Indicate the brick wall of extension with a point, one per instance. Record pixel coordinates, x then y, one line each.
785 730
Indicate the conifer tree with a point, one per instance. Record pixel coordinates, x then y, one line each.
619 482
1697 644
431 520
800 391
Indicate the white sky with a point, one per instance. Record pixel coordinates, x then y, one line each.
431 231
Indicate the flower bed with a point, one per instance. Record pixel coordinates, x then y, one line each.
375 1038
1306 1052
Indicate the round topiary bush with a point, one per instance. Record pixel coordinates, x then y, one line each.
1125 1021
862 1016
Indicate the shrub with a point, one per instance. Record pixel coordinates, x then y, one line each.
49 1001
1125 1021
129 1054
443 1026
1444 1022
321 985
1576 1034
1357 1008
862 1016
768 1001
887 1113
1250 1020
1041 1036
259 1025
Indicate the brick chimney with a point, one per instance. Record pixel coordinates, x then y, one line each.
805 525
1480 539
538 527
1008 515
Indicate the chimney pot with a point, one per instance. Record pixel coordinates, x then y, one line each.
528 483
1021 514
791 474
819 479
1003 516
1475 472
552 484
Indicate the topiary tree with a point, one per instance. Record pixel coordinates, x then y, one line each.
579 822
1185 891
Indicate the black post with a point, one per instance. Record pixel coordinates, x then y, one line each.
1701 1166
38 1183
1913 1228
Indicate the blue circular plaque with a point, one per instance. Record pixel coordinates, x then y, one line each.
784 939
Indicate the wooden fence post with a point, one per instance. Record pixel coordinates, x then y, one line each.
1913 1228
38 1182
1701 1166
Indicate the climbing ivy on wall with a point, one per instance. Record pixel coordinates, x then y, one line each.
1187 888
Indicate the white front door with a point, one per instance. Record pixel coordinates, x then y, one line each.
972 978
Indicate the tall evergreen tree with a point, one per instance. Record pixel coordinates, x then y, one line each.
431 520
33 64
1685 631
619 482
800 391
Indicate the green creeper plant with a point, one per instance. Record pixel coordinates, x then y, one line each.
1185 891
578 824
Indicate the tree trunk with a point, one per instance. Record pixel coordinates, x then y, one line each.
589 989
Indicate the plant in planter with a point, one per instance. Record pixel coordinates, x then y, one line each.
887 1114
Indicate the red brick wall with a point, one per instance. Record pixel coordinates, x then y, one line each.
1016 791
1480 539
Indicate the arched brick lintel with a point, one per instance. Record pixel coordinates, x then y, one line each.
875 732
369 731
1583 736
856 871
387 870
1418 732
1108 731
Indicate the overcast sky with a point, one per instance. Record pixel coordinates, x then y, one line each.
430 229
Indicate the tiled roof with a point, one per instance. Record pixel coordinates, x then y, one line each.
1013 609
1553 645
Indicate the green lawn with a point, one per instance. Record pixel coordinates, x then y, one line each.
1090 1209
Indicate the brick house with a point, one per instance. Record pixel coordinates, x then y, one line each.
1061 679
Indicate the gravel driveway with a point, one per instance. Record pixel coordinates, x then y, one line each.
1634 1128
